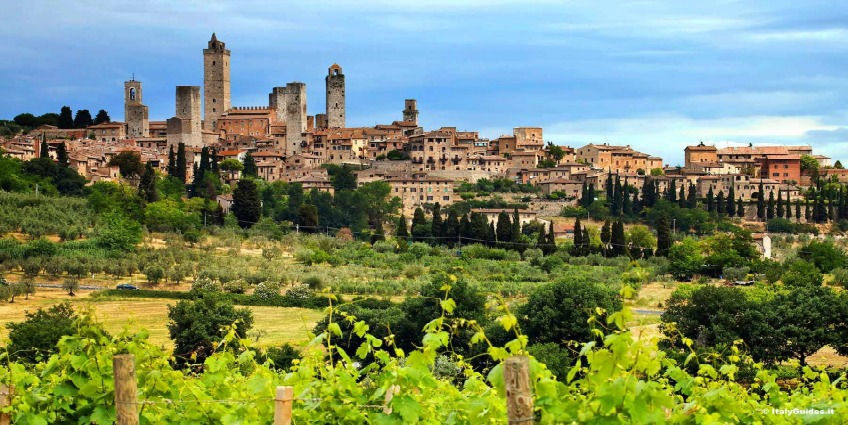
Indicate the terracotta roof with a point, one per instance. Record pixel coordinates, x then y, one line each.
230 153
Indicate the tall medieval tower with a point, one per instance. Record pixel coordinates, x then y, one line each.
410 111
335 97
216 82
135 113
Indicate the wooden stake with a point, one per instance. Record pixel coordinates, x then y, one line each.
283 406
126 391
5 400
519 395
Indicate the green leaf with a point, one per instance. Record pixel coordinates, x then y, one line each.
408 409
335 329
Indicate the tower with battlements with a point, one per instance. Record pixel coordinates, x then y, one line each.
135 113
335 81
216 82
410 111
184 127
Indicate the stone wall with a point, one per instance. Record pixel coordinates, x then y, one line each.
335 82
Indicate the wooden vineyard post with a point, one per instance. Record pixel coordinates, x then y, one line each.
519 395
5 400
283 406
126 397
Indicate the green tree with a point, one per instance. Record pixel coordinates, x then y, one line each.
343 179
66 118
664 241
838 165
740 209
102 117
618 240
515 229
450 230
770 206
558 312
128 163
83 119
147 184
172 161
35 338
62 155
503 230
555 152
577 247
249 169
182 172
720 204
731 202
825 255
437 224
196 326
685 259
606 236
308 217
400 231
809 164
117 232
780 208
247 206
802 274
44 149
711 207
761 208
420 229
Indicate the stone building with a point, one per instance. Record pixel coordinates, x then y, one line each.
185 126
216 82
109 131
700 153
410 111
135 113
420 189
335 82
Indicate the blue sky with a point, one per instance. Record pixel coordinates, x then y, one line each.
657 75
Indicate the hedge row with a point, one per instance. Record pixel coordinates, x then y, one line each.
314 301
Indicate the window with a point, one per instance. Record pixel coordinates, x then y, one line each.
776 174
429 198
446 198
786 166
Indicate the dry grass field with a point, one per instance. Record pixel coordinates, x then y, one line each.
272 325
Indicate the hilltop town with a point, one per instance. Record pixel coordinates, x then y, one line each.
423 166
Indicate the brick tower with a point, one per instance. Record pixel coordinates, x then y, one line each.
216 82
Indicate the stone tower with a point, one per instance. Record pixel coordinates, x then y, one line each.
335 97
135 113
185 126
277 101
216 82
410 111
295 117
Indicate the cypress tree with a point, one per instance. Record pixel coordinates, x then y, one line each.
247 207
584 196
181 163
400 232
761 206
480 228
62 155
542 240
797 210
692 199
681 197
45 149
720 205
740 209
770 206
250 169
420 229
606 237
491 236
807 213
147 184
663 236
618 239
710 201
451 228
649 193
731 201
503 230
671 193
172 162
609 187
464 227
436 224
515 229
587 242
551 241
576 249
626 204
616 206
780 210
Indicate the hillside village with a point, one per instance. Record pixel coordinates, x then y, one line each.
422 166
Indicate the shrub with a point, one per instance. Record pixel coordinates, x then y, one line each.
734 274
299 292
267 290
802 274
204 284
419 249
283 356
384 247
840 277
314 283
237 286
533 254
412 271
154 273
36 337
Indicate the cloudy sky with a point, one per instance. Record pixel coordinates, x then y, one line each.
657 75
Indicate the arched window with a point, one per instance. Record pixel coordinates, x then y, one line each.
132 93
